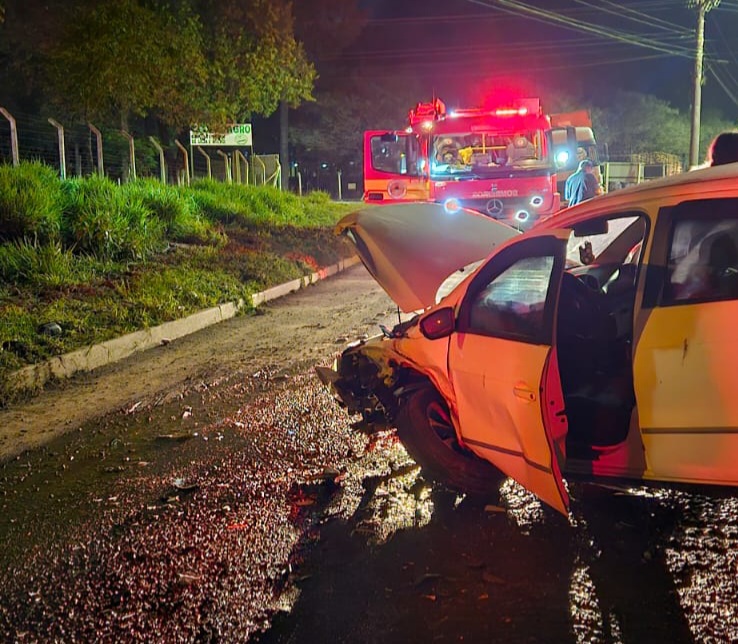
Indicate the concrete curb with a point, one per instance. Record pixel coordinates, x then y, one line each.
97 355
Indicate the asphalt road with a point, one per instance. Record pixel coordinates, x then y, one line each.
211 491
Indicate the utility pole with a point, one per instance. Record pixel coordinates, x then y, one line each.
703 6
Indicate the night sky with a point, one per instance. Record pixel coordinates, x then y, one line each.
458 49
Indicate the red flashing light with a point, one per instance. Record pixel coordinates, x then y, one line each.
512 111
500 111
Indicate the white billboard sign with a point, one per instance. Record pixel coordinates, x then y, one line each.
235 135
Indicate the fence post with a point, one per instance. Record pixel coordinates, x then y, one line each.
299 183
186 160
340 193
162 162
131 154
263 171
62 157
98 138
240 155
228 177
13 135
236 164
207 160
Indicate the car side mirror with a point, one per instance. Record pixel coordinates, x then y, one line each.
441 323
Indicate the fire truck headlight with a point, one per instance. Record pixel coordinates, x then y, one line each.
562 157
452 205
522 215
536 201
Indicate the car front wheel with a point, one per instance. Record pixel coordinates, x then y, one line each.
425 429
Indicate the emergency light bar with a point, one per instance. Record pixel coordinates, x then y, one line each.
522 111
502 111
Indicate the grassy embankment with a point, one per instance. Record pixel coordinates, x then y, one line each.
85 260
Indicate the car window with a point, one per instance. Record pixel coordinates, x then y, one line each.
600 243
394 154
702 260
512 304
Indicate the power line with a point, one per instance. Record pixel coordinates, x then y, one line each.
623 11
436 70
579 25
731 95
525 47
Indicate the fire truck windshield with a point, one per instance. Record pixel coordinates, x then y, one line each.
486 153
396 154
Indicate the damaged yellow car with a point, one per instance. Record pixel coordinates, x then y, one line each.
602 344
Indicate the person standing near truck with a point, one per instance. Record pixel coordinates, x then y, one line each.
583 184
723 149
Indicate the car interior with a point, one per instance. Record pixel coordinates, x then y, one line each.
703 261
594 334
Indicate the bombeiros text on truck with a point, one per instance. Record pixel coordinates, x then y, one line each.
504 160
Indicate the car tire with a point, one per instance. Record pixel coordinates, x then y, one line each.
425 429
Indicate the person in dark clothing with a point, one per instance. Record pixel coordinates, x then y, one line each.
582 185
723 149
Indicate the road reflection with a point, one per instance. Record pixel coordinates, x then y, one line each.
408 563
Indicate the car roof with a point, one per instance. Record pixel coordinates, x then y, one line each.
702 182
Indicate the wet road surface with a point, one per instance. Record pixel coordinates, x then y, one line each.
244 508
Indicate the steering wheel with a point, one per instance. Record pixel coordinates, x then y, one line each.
590 281
580 312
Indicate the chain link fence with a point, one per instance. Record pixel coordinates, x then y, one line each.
122 156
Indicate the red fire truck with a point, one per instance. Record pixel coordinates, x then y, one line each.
497 160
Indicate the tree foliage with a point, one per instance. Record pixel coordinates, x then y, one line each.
631 123
119 57
188 61
253 59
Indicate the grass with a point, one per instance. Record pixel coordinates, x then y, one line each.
101 260
30 203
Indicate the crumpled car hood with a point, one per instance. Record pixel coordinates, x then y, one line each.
410 249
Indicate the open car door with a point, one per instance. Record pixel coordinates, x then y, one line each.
394 167
504 369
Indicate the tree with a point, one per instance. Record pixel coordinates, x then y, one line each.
253 58
29 29
631 123
118 58
182 62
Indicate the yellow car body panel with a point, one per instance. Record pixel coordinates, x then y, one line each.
672 397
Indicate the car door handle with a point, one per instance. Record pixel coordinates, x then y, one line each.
523 391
